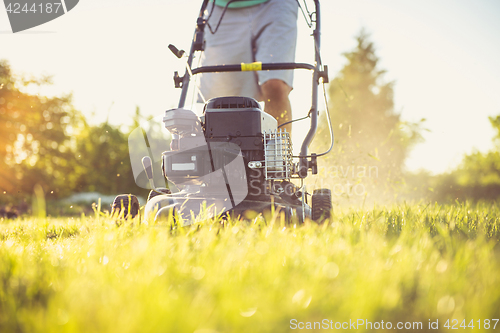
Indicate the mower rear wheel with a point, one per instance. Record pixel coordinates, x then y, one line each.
158 191
321 205
129 202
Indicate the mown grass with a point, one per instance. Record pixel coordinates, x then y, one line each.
403 263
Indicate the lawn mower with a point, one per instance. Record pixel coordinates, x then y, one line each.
234 158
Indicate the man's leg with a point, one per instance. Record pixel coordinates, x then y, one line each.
230 45
275 93
274 31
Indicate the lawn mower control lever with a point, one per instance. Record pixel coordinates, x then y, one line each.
148 168
178 53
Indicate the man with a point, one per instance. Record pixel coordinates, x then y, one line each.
252 30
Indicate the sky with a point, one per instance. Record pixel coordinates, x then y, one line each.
442 55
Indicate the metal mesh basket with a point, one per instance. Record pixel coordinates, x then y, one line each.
278 154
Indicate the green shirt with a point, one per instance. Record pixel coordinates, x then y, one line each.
240 3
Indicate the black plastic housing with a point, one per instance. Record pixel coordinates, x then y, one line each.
236 116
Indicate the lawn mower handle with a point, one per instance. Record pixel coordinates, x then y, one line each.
254 66
198 45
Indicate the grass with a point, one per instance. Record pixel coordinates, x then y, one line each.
406 263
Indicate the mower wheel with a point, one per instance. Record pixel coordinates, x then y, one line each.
129 202
321 205
158 191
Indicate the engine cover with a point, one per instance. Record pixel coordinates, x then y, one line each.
236 116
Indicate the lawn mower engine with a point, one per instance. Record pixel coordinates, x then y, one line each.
232 159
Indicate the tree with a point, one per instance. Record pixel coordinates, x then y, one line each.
369 134
34 139
45 141
103 160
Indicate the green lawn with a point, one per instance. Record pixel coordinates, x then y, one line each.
405 263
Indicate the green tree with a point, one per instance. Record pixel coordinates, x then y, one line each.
34 137
46 141
371 140
103 160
